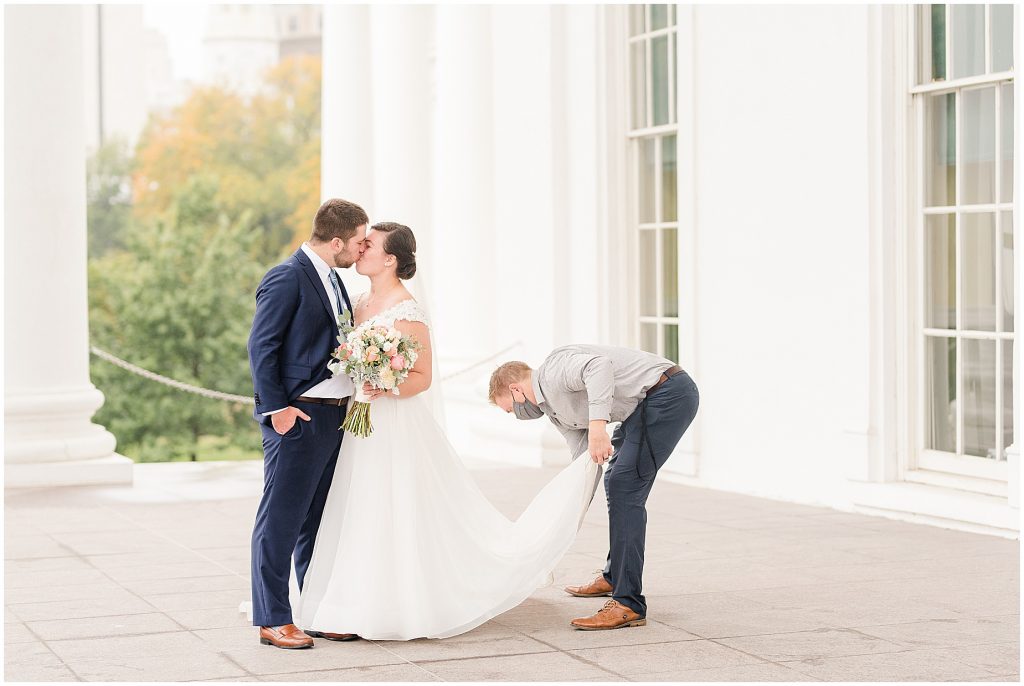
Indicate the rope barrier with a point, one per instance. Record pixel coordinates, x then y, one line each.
242 399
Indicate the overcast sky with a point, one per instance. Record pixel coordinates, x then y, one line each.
183 26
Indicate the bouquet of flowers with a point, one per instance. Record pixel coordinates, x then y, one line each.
376 354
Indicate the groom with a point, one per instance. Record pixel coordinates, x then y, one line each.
299 406
581 388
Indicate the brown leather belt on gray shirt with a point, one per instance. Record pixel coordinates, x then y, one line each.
665 376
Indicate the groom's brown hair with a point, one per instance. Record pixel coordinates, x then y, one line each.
337 218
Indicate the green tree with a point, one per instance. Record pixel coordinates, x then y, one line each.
178 301
264 150
109 193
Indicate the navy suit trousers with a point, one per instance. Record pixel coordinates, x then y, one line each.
636 459
297 471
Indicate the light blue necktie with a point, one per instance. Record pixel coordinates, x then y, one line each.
336 285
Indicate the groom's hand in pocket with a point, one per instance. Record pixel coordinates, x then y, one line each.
284 420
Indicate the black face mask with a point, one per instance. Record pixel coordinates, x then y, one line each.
525 409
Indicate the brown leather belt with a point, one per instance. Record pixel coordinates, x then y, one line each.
665 376
337 402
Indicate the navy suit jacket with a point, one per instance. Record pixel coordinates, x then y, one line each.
293 333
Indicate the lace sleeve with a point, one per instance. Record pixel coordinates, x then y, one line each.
411 311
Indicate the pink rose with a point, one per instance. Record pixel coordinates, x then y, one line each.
371 357
344 353
398 362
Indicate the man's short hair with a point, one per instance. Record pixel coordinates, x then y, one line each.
508 373
337 218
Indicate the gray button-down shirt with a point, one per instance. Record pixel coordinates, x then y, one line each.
580 383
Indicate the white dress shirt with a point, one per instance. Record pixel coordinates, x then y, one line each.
337 386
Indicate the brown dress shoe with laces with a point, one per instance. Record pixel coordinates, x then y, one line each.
596 588
288 636
333 637
614 615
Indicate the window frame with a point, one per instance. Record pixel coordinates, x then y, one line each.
922 459
635 137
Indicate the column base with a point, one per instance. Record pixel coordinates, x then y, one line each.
113 469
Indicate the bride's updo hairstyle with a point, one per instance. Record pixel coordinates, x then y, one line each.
401 243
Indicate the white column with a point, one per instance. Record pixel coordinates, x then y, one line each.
347 131
346 158
49 400
464 185
402 102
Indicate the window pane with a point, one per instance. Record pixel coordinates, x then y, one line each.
659 79
979 397
1006 145
968 32
672 342
1007 394
1006 255
940 150
659 17
646 179
636 19
940 271
977 146
668 179
1002 37
675 77
941 395
649 338
639 86
648 273
931 31
670 272
979 271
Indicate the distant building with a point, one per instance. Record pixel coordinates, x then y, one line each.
239 45
163 91
242 41
299 28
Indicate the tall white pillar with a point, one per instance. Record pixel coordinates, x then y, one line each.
464 185
402 47
347 131
48 398
346 158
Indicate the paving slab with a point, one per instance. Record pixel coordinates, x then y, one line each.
403 673
948 633
118 583
553 666
911 665
639 661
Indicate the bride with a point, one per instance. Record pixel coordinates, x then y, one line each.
408 546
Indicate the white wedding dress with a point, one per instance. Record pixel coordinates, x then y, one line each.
409 547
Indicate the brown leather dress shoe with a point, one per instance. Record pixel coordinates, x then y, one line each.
597 587
614 615
288 636
333 637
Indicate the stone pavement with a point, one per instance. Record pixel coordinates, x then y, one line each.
143 583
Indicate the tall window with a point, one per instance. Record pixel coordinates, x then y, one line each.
963 102
652 133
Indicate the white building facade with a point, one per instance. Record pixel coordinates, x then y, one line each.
810 208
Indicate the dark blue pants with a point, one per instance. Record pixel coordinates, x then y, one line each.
629 477
297 471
